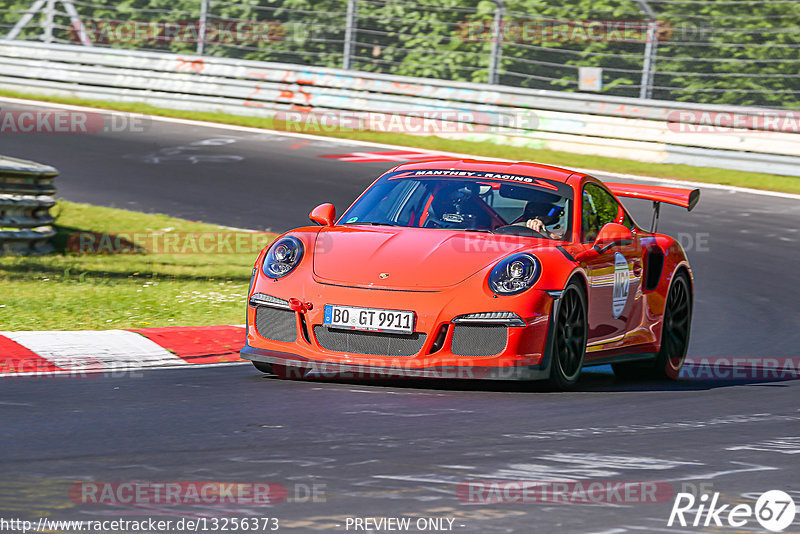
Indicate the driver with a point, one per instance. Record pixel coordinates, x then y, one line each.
539 215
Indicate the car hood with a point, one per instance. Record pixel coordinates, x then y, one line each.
407 258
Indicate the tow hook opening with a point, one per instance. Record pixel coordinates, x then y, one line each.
300 306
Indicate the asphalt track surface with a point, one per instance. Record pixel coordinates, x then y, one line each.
395 448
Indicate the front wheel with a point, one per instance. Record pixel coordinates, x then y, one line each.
280 370
569 343
264 367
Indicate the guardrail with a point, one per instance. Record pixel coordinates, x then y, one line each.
751 139
26 190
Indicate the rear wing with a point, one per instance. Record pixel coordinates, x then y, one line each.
685 198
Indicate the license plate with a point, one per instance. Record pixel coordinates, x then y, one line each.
369 319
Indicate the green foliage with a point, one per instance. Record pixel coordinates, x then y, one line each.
76 291
717 51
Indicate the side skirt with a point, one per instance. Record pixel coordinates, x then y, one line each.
644 356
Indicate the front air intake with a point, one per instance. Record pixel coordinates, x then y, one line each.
479 340
275 324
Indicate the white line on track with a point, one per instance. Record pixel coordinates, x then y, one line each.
232 127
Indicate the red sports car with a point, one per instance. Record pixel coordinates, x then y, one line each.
475 269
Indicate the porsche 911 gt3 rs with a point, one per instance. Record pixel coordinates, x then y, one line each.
475 269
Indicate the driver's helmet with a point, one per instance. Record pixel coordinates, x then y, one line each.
547 212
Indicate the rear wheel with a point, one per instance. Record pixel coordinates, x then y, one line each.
675 332
569 343
674 337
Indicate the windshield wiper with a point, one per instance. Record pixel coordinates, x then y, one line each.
371 223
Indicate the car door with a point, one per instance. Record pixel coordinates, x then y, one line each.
614 296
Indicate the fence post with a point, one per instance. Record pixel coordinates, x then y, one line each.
496 54
26 18
649 66
201 33
49 22
650 47
349 34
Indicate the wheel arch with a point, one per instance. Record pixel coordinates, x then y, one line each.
675 261
579 276
683 268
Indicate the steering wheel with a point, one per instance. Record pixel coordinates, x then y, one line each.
515 229
433 221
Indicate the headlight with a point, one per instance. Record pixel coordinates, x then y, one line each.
514 274
283 256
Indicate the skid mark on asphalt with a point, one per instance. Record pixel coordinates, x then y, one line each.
616 462
783 445
433 413
192 153
672 426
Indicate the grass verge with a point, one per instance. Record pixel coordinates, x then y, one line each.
198 274
753 180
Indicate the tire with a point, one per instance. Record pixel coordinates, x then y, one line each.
569 341
289 373
674 338
675 331
264 367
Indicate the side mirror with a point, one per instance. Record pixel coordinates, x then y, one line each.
612 235
323 215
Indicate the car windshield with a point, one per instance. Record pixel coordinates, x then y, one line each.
512 204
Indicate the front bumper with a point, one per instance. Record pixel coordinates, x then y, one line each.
298 367
523 356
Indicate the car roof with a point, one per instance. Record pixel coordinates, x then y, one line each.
521 168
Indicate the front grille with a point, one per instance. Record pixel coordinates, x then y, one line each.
479 340
275 324
371 343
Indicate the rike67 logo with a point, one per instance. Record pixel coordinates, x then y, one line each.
774 510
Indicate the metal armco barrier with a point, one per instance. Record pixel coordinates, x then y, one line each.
26 190
644 130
